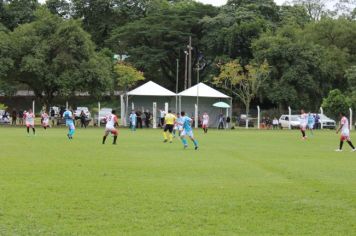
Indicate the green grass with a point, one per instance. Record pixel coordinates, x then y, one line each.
239 182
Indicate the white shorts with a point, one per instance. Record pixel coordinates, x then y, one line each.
188 133
30 124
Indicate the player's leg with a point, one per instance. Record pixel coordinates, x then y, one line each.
191 136
184 141
106 133
165 138
33 130
170 130
350 143
28 129
115 133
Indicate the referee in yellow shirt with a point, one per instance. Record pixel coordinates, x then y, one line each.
169 121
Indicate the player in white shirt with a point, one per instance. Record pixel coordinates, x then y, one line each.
345 133
303 123
205 122
45 120
30 121
110 127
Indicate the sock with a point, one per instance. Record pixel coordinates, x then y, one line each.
44 127
164 135
33 130
28 130
104 138
351 145
303 133
170 137
71 133
195 143
184 141
341 143
114 142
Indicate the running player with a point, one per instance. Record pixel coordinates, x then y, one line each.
177 125
111 123
132 119
345 133
68 116
205 122
187 130
169 120
303 123
29 118
311 122
45 120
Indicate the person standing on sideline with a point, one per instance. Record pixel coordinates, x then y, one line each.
169 121
275 123
13 117
30 121
187 130
205 122
21 117
221 121
133 120
68 116
311 122
147 118
345 133
111 122
303 123
83 119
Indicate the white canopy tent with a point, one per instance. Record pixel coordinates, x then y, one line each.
143 97
201 97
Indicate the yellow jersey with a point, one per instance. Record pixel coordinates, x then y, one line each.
170 119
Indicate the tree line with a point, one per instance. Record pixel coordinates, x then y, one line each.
307 50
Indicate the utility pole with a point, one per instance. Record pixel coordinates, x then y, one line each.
190 62
186 70
177 75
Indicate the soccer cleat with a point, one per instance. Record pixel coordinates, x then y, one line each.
353 150
185 146
165 140
170 141
338 150
196 147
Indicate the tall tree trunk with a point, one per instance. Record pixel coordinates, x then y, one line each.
247 112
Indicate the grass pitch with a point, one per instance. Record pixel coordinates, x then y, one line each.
239 182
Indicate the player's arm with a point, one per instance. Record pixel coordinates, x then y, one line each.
340 126
116 122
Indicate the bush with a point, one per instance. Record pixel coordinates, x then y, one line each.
336 102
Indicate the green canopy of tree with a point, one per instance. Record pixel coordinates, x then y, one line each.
53 56
336 102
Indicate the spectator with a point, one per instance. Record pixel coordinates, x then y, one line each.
317 124
275 123
228 122
263 123
52 116
14 117
139 119
161 116
83 119
221 121
20 117
147 118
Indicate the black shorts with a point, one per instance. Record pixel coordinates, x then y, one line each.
169 128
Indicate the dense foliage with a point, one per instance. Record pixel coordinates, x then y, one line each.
309 47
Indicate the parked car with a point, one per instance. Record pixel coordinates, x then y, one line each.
79 111
327 122
242 121
294 121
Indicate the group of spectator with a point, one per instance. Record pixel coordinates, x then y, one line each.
15 117
142 118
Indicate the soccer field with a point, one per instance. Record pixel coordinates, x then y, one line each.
238 182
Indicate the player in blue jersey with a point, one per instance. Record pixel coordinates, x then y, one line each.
68 116
133 120
187 130
311 122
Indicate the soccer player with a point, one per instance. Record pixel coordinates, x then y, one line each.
177 125
68 116
45 120
311 122
132 119
345 132
169 120
187 130
303 123
30 121
111 123
205 122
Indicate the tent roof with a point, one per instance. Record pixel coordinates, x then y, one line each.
151 89
203 90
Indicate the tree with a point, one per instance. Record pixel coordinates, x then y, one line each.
315 8
53 56
242 82
61 8
336 102
127 77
